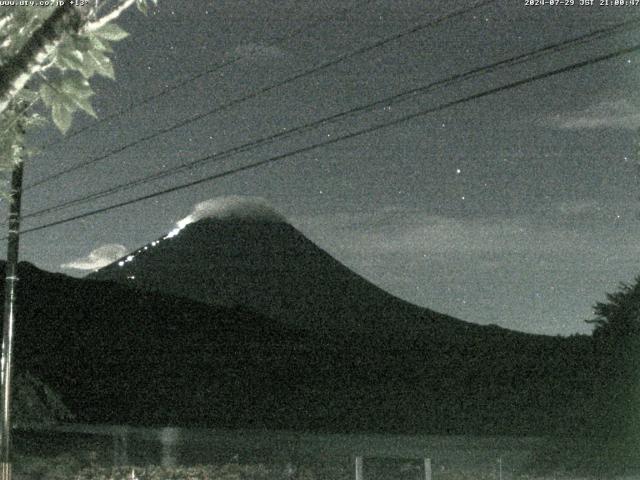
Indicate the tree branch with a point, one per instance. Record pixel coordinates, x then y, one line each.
15 74
115 13
5 20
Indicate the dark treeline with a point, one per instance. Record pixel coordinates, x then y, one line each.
614 423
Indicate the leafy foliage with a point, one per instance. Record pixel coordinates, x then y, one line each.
143 5
62 82
618 320
615 419
74 62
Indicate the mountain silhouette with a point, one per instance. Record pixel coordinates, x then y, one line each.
117 354
263 263
369 360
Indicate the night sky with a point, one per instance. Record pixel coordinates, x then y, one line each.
519 208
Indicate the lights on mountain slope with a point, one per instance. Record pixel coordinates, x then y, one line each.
175 231
126 260
229 207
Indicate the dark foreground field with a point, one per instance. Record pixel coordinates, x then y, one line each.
244 455
70 467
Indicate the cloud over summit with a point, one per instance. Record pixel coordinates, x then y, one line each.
233 207
98 258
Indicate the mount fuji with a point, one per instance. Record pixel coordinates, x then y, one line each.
237 251
354 356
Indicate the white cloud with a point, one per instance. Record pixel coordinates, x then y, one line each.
578 207
445 236
607 114
236 207
98 258
461 265
439 237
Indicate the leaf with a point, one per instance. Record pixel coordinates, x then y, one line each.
74 85
35 120
86 106
66 95
61 117
87 55
142 6
77 92
47 94
111 32
100 64
27 95
81 42
100 45
72 59
54 93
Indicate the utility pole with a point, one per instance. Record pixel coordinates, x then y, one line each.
11 280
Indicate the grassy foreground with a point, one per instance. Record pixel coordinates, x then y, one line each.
66 467
70 467
75 457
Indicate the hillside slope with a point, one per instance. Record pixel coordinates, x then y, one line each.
272 268
119 355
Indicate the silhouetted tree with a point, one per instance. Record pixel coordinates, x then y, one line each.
616 339
617 321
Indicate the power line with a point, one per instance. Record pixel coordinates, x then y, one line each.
263 90
553 48
180 84
348 136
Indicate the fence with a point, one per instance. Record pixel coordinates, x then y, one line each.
359 468
359 455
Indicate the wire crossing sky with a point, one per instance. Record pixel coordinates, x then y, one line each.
170 89
385 101
481 163
251 166
261 91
